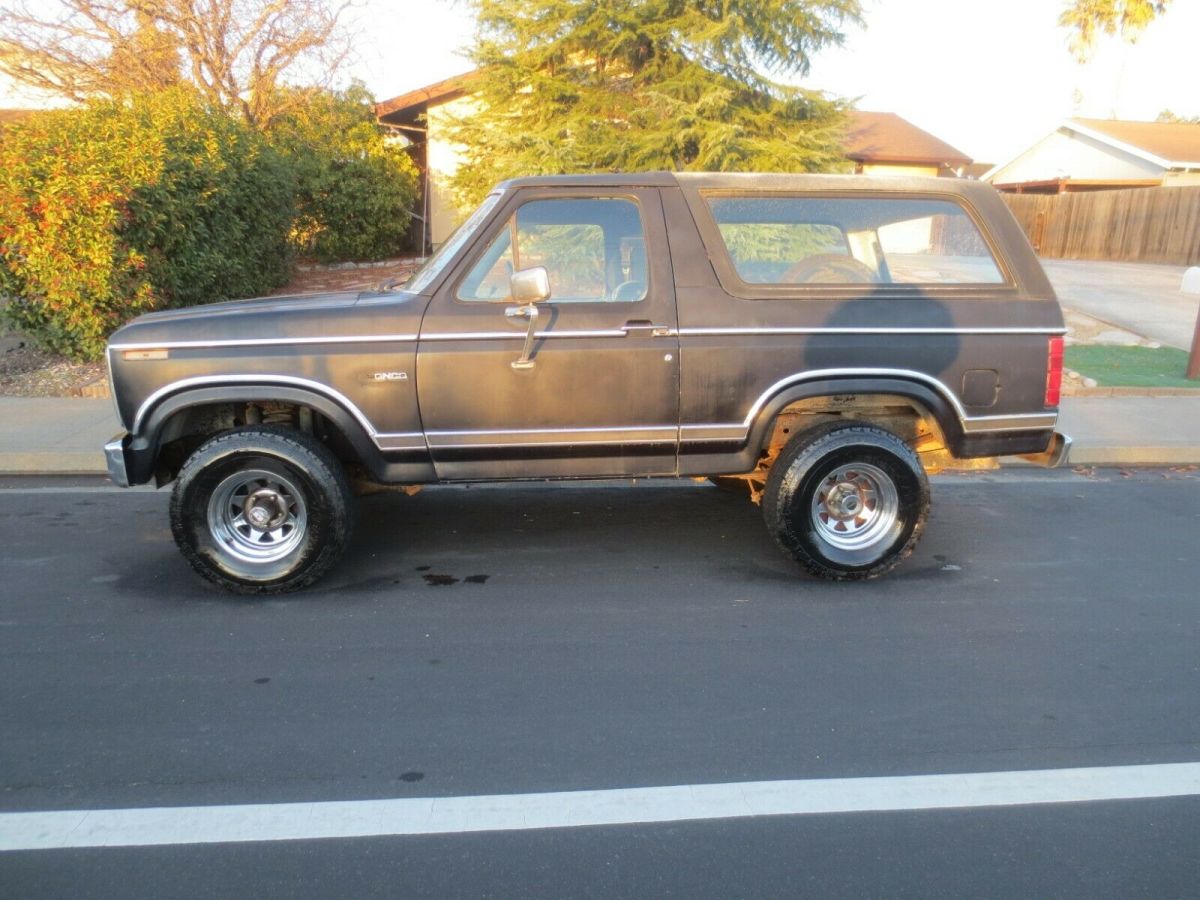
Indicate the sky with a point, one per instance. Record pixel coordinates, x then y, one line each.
988 76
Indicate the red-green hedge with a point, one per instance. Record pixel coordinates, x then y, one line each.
120 208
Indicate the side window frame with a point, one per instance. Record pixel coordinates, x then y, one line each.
733 284
506 217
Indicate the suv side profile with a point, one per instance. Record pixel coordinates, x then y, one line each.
821 342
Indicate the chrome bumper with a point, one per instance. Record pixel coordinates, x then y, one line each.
1053 456
114 455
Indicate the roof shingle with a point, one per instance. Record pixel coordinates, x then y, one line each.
1176 142
882 137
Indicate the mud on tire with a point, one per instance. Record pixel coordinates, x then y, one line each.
847 501
262 510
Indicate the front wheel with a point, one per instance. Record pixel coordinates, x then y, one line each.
261 510
847 501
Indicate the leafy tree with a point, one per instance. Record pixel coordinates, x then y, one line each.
1088 19
237 53
355 189
605 85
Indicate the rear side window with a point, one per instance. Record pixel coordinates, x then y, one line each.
845 240
593 250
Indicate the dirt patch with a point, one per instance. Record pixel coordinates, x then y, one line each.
26 371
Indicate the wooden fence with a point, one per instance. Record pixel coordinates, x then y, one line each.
1154 225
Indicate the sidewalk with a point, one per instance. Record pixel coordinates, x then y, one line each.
42 436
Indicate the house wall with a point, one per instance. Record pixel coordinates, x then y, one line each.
882 169
1181 179
1068 154
443 157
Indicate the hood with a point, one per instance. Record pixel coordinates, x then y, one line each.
273 319
279 304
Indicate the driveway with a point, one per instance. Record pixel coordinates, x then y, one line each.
1142 298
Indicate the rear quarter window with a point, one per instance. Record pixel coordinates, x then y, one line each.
815 240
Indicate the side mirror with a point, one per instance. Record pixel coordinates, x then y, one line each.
529 286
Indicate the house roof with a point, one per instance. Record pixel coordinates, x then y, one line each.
1173 144
873 137
414 103
883 137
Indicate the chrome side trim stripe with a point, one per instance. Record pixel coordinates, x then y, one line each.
553 437
520 336
543 335
720 332
550 431
412 440
1022 422
268 342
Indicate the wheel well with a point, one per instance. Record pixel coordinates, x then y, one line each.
908 419
187 428
902 416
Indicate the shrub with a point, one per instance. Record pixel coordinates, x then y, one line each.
120 208
355 191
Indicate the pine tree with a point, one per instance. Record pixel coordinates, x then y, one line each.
637 85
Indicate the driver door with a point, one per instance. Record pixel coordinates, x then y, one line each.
600 395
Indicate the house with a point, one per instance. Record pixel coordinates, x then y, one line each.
877 143
882 143
423 118
1104 154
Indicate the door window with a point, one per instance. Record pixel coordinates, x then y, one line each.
593 249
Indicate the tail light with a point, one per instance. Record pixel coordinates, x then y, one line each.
1054 367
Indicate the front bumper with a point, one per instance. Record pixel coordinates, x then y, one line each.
114 456
1053 456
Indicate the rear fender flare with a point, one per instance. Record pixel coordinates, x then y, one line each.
925 396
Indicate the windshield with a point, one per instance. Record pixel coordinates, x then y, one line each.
433 266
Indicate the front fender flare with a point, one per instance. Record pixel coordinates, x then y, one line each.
144 443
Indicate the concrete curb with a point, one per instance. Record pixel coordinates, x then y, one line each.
1134 456
53 463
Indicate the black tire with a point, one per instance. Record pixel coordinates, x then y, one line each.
847 501
252 473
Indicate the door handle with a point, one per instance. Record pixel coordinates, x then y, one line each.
641 326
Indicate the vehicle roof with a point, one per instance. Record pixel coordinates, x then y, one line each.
755 181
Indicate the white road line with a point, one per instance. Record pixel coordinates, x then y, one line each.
509 812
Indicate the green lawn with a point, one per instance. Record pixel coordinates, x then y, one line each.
1131 366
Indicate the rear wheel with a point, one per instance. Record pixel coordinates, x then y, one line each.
261 510
847 501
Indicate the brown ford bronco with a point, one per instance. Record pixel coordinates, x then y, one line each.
822 341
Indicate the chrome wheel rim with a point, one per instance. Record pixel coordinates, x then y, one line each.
257 518
855 506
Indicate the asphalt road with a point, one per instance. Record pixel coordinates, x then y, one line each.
515 640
